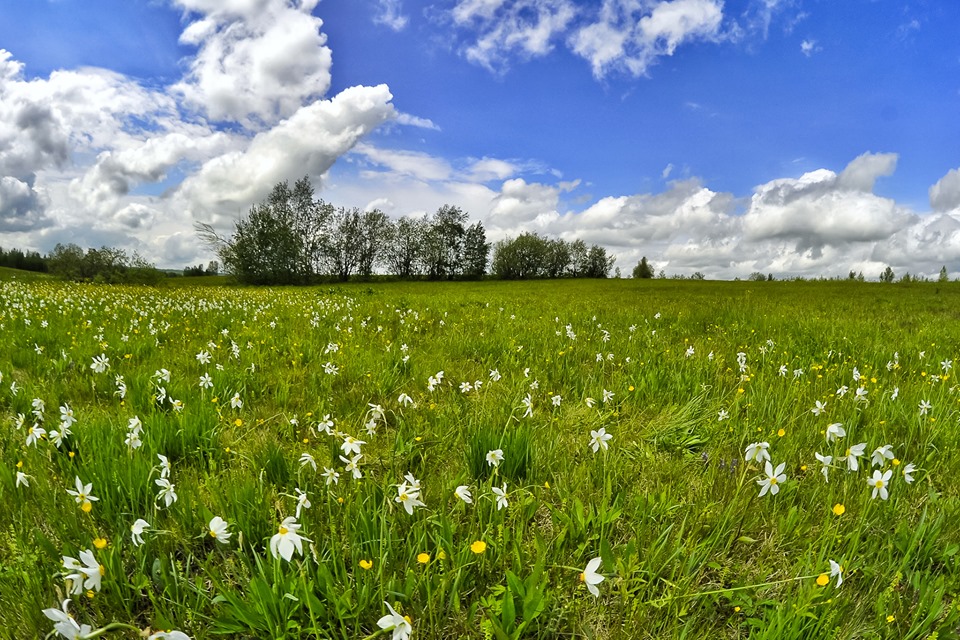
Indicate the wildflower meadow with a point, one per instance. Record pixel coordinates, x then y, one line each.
596 459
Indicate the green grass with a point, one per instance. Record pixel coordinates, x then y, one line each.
688 547
6 273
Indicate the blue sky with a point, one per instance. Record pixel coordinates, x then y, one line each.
798 137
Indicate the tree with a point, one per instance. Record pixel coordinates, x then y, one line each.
944 276
374 233
643 269
598 263
579 259
404 253
476 252
66 261
887 275
557 258
343 242
444 243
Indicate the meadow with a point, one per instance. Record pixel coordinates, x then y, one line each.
596 459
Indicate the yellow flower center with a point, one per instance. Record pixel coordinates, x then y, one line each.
213 534
583 576
879 484
103 571
283 530
773 481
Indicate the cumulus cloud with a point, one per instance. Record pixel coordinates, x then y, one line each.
822 223
945 193
523 206
822 208
80 148
257 62
21 207
308 142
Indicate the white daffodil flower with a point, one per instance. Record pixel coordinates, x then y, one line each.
217 528
591 578
772 480
286 540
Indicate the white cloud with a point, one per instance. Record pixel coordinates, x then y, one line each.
511 27
863 171
822 208
390 15
486 169
809 47
79 148
631 36
945 194
523 206
420 166
257 62
307 143
414 121
822 223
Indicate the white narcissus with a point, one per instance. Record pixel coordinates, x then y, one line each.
773 479
218 529
286 540
591 578
400 625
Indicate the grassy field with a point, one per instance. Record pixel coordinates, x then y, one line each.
327 405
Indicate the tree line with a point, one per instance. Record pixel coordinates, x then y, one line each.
531 255
26 261
293 238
